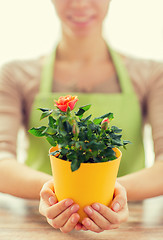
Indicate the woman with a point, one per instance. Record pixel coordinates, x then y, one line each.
82 62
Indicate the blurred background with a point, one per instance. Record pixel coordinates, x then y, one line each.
30 28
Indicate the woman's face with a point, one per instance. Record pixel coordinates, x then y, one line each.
81 17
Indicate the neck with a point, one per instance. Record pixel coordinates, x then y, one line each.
87 50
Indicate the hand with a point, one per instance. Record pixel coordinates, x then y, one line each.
102 217
62 215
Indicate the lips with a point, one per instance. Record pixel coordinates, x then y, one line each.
81 19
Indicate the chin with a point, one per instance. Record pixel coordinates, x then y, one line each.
82 31
81 34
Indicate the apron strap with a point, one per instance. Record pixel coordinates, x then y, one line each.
47 73
123 76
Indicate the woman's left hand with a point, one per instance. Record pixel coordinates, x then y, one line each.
101 217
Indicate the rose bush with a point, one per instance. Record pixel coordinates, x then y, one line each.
80 140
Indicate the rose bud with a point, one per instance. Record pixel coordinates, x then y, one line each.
75 129
105 123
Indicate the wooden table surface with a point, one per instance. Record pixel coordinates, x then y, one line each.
20 219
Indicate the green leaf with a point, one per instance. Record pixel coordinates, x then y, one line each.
97 120
116 142
64 151
116 136
67 127
80 145
52 141
109 153
93 127
82 110
116 129
96 159
106 159
94 154
109 115
125 142
86 119
96 145
38 132
46 114
75 164
72 155
52 122
88 155
44 109
86 107
61 126
90 135
50 131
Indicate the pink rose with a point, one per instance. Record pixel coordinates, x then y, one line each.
66 101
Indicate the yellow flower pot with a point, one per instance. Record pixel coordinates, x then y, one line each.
92 182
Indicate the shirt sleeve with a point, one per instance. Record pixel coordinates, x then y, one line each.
10 112
19 84
154 100
147 78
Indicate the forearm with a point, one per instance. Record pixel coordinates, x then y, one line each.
21 181
145 183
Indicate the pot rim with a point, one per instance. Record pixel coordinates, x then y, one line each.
118 151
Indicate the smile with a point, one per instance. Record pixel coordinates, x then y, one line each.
81 20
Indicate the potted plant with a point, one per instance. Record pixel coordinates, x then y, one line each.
85 153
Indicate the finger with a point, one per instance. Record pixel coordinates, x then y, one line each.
44 205
120 198
71 223
78 226
90 225
58 208
61 220
84 228
97 218
49 185
111 216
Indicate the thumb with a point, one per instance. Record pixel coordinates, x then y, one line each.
47 193
120 198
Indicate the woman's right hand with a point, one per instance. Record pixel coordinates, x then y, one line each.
60 215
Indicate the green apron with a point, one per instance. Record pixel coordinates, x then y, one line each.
124 105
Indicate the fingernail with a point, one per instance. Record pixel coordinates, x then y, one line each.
75 208
88 210
87 223
96 206
52 200
73 219
68 202
116 207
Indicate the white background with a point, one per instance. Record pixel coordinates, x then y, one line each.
29 28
